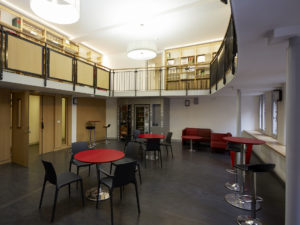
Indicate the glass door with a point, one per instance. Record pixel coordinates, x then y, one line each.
142 118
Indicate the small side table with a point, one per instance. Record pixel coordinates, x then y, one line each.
192 138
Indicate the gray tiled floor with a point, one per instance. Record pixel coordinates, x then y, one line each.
188 190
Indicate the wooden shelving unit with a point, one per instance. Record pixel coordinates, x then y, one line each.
189 66
31 30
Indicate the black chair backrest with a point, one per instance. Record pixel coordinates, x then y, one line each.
50 174
136 133
79 146
169 137
124 174
235 147
153 144
265 167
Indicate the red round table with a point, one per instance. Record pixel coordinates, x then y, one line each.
191 138
98 156
241 200
151 136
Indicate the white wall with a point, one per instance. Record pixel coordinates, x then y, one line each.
112 117
215 112
118 61
74 122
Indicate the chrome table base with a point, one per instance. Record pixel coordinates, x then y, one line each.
247 220
232 186
92 193
240 201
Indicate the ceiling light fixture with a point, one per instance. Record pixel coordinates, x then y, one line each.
57 11
142 50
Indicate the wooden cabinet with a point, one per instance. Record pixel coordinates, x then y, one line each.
188 67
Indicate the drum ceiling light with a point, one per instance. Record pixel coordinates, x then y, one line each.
142 50
57 11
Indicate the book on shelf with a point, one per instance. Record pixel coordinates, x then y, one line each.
200 58
191 60
184 61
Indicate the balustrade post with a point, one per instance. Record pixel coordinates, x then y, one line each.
74 73
1 54
160 83
46 65
135 76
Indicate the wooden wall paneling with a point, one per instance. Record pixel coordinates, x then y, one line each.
5 131
57 122
48 111
85 73
20 128
90 109
102 79
60 66
24 56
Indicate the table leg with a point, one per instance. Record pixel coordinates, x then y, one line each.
92 193
191 145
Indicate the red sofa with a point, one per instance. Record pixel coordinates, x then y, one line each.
201 132
217 142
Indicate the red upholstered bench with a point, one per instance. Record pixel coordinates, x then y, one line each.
201 132
217 142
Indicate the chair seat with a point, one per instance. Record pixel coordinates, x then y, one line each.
66 178
123 160
107 181
80 164
165 144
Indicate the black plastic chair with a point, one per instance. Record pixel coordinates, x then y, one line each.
153 145
59 181
127 159
78 147
124 174
134 138
167 143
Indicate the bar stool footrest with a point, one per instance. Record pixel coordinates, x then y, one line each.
247 220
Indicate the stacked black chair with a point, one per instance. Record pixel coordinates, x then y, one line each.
59 181
106 140
127 159
153 145
78 147
252 170
123 174
237 148
134 138
91 128
167 143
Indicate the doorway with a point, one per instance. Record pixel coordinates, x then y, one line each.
34 127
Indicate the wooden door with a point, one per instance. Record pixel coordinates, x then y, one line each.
47 124
5 124
20 128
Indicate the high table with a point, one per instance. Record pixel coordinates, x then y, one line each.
98 156
152 136
191 138
240 200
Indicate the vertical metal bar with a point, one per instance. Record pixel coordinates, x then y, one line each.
1 55
160 83
113 79
210 78
5 53
46 65
135 77
109 83
95 78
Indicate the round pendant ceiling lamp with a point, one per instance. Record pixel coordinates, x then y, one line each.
57 11
142 50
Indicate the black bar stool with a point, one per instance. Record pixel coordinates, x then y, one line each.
252 170
106 140
236 148
91 128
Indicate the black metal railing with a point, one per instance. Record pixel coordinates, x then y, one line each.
190 77
225 58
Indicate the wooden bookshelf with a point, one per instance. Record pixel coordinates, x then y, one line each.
188 67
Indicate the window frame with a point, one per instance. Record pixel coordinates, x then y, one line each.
274 118
262 112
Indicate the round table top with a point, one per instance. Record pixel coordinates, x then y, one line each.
192 137
149 136
244 140
99 155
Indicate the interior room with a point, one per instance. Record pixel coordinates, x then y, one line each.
142 112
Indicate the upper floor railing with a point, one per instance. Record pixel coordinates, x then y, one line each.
20 53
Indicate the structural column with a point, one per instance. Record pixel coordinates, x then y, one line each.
292 215
238 113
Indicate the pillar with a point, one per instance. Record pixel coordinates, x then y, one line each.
238 113
292 215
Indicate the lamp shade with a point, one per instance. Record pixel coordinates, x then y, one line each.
142 50
57 11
